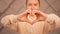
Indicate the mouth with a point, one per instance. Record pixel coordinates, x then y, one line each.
31 17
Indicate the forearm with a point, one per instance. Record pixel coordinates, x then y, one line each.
53 21
9 22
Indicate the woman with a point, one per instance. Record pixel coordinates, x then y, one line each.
32 21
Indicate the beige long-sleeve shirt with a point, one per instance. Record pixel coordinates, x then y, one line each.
42 27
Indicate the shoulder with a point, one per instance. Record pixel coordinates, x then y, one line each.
52 18
8 17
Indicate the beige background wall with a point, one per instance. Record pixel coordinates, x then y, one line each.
17 6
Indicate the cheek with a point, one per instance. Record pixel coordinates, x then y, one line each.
28 7
36 7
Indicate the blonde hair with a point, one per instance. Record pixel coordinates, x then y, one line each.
27 1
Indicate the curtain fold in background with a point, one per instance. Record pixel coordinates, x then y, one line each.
17 6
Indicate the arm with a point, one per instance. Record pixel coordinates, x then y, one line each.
9 22
53 22
57 20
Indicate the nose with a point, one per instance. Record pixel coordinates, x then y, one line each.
32 7
31 13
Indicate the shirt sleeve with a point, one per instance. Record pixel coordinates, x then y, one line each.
9 21
53 22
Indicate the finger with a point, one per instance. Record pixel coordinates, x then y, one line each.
24 13
36 11
40 12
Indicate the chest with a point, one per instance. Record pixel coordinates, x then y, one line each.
36 28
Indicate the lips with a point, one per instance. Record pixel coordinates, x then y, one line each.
31 18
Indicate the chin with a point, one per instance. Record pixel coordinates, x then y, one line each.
31 18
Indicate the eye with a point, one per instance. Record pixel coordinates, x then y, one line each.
35 4
29 4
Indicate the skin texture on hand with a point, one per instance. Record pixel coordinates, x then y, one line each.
23 16
40 15
32 16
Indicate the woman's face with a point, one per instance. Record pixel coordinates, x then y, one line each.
33 4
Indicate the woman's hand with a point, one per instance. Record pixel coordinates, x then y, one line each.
23 16
40 15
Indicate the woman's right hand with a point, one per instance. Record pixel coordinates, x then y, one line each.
23 16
